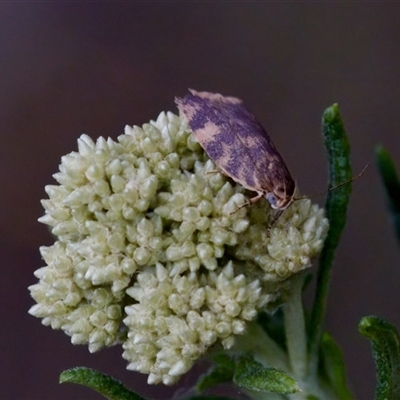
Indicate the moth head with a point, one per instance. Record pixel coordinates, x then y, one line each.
280 198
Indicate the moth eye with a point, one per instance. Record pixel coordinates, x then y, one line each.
271 199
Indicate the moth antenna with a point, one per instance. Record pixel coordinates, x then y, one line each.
336 186
350 180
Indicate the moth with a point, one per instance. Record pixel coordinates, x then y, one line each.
239 146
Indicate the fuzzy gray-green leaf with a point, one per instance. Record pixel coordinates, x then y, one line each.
385 343
107 386
250 374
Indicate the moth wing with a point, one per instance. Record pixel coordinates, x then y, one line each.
236 141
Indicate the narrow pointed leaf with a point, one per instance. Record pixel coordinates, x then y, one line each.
221 372
391 183
385 343
333 366
109 387
250 374
338 149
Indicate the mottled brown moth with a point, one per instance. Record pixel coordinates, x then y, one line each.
239 146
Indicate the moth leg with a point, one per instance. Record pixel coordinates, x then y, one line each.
249 202
215 171
273 220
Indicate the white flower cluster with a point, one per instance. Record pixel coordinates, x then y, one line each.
151 253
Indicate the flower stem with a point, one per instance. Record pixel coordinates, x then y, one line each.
295 329
265 349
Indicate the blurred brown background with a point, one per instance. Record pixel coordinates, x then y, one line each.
91 67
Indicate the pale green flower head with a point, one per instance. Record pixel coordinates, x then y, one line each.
151 253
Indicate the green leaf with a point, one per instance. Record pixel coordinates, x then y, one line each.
333 366
109 387
386 352
338 149
250 374
221 372
391 183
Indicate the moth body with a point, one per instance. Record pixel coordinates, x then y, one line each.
239 146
